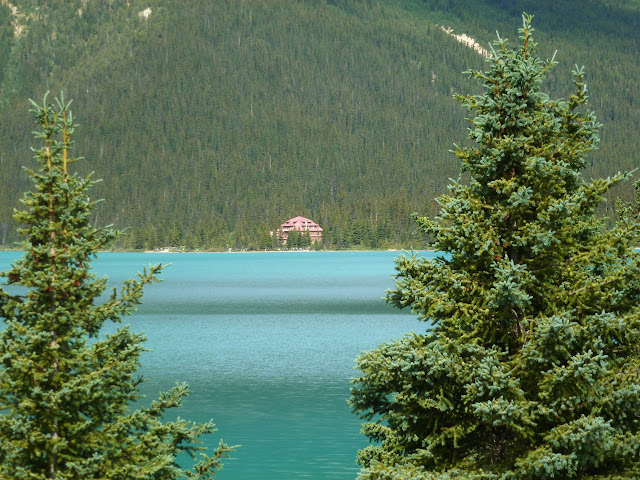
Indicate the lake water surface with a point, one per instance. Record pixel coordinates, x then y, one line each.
267 343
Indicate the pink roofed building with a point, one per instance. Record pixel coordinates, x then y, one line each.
300 224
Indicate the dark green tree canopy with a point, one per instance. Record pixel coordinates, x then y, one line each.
531 368
67 392
337 110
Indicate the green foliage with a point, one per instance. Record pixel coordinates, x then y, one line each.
298 239
277 77
245 113
66 391
294 239
531 368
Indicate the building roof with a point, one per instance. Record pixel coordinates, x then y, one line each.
301 223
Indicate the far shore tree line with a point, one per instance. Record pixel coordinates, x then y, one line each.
529 368
355 237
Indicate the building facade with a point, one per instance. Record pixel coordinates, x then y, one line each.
300 224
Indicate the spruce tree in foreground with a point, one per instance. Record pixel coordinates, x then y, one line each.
531 368
66 392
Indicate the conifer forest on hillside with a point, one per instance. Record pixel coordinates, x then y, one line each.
214 122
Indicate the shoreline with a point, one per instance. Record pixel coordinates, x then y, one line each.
265 251
169 251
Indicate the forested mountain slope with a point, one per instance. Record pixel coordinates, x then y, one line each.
212 122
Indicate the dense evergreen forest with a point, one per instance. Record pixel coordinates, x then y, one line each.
215 121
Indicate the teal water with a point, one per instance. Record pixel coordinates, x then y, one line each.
267 343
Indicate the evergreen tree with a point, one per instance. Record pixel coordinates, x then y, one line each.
175 237
305 239
66 391
294 239
531 368
266 241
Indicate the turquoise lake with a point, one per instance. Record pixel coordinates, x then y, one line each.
267 343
